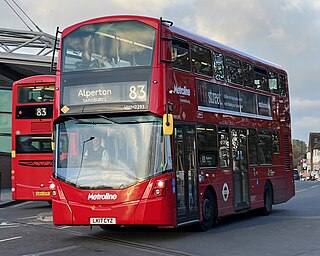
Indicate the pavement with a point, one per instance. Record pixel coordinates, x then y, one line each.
6 198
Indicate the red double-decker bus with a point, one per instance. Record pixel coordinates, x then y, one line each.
32 155
158 126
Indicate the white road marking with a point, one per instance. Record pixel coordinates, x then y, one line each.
52 251
21 204
25 218
9 239
301 190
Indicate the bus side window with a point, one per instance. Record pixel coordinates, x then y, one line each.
218 66
261 79
248 80
265 147
253 151
234 71
224 147
181 55
273 82
201 61
207 146
282 85
276 142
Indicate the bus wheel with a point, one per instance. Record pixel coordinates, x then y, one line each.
208 211
268 195
111 227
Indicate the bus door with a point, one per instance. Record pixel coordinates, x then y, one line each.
186 174
240 168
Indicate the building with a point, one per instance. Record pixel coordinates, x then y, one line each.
313 154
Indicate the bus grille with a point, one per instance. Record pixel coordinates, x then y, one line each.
37 163
287 155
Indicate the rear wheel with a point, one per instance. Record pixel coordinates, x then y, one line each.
208 211
268 196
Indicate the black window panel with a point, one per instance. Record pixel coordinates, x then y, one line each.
253 143
248 102
261 79
181 55
34 112
265 147
273 82
31 144
207 146
201 61
248 79
218 66
282 85
234 71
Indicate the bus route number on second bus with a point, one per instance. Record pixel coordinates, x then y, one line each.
41 112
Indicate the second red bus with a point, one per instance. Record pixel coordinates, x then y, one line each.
32 156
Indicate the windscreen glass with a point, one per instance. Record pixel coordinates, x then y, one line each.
110 153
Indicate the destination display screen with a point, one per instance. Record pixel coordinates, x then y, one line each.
34 111
116 96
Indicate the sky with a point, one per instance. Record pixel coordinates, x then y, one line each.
285 32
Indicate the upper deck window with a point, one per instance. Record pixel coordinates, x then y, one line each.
248 80
234 71
33 94
108 45
218 65
201 60
181 55
282 85
273 82
261 79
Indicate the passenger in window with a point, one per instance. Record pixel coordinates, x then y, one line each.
197 67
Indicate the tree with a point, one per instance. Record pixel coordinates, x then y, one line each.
299 149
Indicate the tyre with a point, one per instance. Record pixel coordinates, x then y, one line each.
268 199
209 216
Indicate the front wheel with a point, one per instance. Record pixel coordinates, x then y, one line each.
209 216
268 195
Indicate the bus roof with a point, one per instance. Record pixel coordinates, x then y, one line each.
212 43
37 79
178 31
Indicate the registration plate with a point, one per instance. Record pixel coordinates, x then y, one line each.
42 193
103 221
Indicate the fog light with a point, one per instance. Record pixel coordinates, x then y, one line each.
54 193
157 191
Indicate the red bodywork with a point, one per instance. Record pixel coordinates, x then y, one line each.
137 205
31 172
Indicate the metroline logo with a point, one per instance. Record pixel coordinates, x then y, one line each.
181 90
106 196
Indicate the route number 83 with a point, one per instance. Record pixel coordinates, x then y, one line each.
137 92
41 111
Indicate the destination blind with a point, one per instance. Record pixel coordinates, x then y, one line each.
118 95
